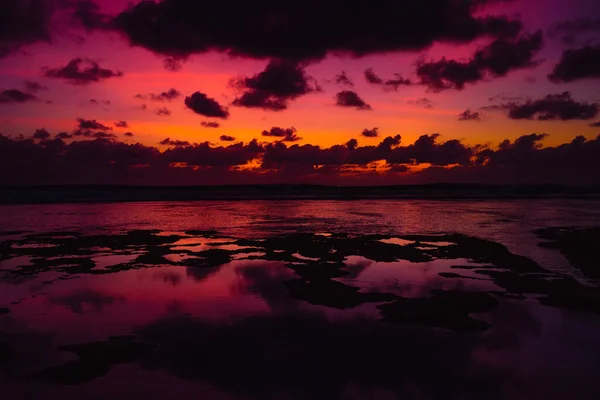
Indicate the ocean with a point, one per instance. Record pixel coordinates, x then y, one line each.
289 298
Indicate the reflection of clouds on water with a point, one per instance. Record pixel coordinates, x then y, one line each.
86 300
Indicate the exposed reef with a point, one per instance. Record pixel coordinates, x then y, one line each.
319 261
579 245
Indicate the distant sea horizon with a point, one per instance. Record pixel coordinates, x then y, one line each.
47 194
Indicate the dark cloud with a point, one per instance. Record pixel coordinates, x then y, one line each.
348 98
273 88
15 96
41 134
571 31
176 143
553 107
296 31
210 124
576 64
32 87
80 71
343 79
163 112
227 138
287 135
91 124
595 124
374 79
128 134
122 124
423 102
370 133
169 95
494 60
469 115
207 106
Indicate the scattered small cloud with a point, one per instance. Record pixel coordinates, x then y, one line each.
163 112
274 88
33 87
201 104
210 124
168 95
423 102
176 143
15 96
100 102
91 124
41 134
287 135
394 83
469 115
343 79
81 71
348 98
370 133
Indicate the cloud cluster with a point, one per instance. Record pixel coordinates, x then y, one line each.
40 159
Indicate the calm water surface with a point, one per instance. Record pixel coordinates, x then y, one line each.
287 300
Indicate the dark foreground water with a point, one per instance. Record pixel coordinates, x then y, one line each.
381 299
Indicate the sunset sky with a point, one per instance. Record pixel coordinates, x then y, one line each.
127 76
